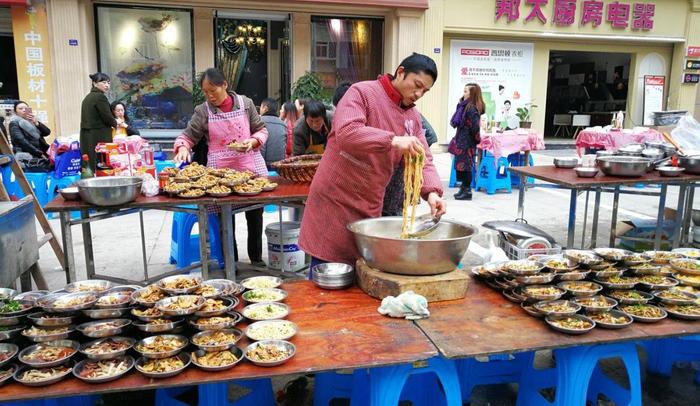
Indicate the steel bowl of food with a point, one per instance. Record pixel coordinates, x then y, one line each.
49 354
566 162
107 348
268 353
163 367
611 319
70 193
161 346
571 324
217 360
109 190
670 171
625 166
217 340
379 243
99 371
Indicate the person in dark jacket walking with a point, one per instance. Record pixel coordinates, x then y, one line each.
274 149
27 133
96 119
467 121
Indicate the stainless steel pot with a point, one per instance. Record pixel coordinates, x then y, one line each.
690 163
109 190
627 166
653 153
379 244
566 162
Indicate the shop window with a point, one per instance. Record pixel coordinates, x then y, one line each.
147 52
346 50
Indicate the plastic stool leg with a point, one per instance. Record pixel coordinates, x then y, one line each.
166 397
453 174
331 385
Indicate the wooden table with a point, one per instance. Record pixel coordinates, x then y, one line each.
337 330
486 323
287 193
567 178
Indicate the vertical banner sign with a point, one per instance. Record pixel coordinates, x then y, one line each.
653 97
33 57
503 70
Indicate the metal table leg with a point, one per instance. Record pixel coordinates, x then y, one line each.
521 196
596 211
87 243
67 239
687 216
203 219
613 221
660 216
143 247
572 219
680 211
585 221
227 241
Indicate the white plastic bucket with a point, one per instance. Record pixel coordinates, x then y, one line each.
294 257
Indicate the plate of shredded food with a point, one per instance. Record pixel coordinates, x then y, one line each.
7 352
630 296
557 307
12 307
271 330
41 376
644 312
265 311
686 266
179 284
180 305
657 282
89 285
103 328
161 346
147 314
662 257
42 334
99 371
48 354
149 295
217 360
217 340
246 189
675 296
688 252
216 307
612 319
596 303
685 312
264 295
580 288
227 320
269 353
688 280
613 254
261 282
113 299
50 319
107 348
68 302
542 292
159 325
571 324
163 367
6 373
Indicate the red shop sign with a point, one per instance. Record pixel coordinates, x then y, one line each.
693 52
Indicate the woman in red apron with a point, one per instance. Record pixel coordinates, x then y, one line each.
225 118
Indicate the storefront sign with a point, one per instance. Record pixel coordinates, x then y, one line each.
653 97
691 64
33 57
691 77
693 52
620 15
503 70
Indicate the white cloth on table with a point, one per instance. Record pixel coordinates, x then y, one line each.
408 304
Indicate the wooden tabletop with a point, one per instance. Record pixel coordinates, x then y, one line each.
337 330
569 179
485 322
286 190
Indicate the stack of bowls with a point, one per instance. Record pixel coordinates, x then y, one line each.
333 275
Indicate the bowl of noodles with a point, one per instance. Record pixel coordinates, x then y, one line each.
386 243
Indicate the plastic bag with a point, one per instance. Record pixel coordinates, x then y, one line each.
687 134
149 187
64 152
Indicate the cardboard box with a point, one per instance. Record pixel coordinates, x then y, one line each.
645 228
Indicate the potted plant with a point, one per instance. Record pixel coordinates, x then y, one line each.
308 86
523 114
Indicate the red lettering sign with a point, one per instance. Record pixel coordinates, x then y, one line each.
474 52
694 52
654 80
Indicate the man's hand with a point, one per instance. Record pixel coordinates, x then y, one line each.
438 205
183 155
407 144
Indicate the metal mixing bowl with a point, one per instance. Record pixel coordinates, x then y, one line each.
379 244
690 163
627 166
109 190
566 162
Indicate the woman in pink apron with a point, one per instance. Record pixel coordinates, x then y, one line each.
225 118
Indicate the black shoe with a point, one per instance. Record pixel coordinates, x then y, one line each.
466 195
460 191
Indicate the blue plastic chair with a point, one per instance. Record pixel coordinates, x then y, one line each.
577 377
663 353
488 175
184 247
518 159
498 369
39 181
260 394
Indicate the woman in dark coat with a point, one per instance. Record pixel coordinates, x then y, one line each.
27 133
466 120
96 119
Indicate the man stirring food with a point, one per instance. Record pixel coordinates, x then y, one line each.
375 124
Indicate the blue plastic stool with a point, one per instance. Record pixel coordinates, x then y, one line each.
69 401
56 184
488 177
260 394
271 208
518 159
498 369
39 181
8 180
184 247
663 353
577 377
161 165
453 176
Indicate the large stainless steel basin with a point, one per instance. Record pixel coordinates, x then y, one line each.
379 244
109 190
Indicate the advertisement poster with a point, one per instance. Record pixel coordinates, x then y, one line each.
503 70
148 55
653 97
